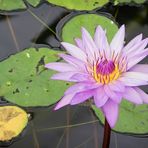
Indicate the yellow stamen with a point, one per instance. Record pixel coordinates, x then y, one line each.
105 79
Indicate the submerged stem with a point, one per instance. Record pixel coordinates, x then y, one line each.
107 133
41 21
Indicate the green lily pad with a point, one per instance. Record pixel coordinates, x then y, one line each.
132 119
9 5
79 4
25 81
72 29
33 2
129 1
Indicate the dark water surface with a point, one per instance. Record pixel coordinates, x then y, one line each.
48 129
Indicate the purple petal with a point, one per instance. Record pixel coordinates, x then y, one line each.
81 97
132 82
99 38
65 76
110 110
115 96
140 68
132 95
136 59
89 44
118 40
79 43
117 86
134 78
100 98
137 49
73 61
82 77
61 67
64 101
83 86
74 51
101 42
133 42
142 94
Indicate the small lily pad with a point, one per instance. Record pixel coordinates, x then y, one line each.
12 122
129 1
33 2
132 119
72 29
25 81
9 5
79 4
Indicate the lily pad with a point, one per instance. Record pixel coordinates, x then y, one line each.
72 29
132 119
129 1
33 2
12 122
79 4
25 81
9 5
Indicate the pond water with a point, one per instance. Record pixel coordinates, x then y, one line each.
72 126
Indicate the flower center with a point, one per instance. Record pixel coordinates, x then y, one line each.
105 67
105 71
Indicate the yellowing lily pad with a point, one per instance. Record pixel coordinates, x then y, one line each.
72 28
25 81
12 122
132 119
79 4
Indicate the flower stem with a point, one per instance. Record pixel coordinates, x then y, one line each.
107 132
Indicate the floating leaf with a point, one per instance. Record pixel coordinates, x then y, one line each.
9 5
132 118
72 28
25 81
79 4
12 122
129 1
33 2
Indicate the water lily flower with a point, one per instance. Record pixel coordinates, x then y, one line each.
102 71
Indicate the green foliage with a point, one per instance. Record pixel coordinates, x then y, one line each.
72 28
33 2
25 81
9 5
129 1
79 4
132 118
